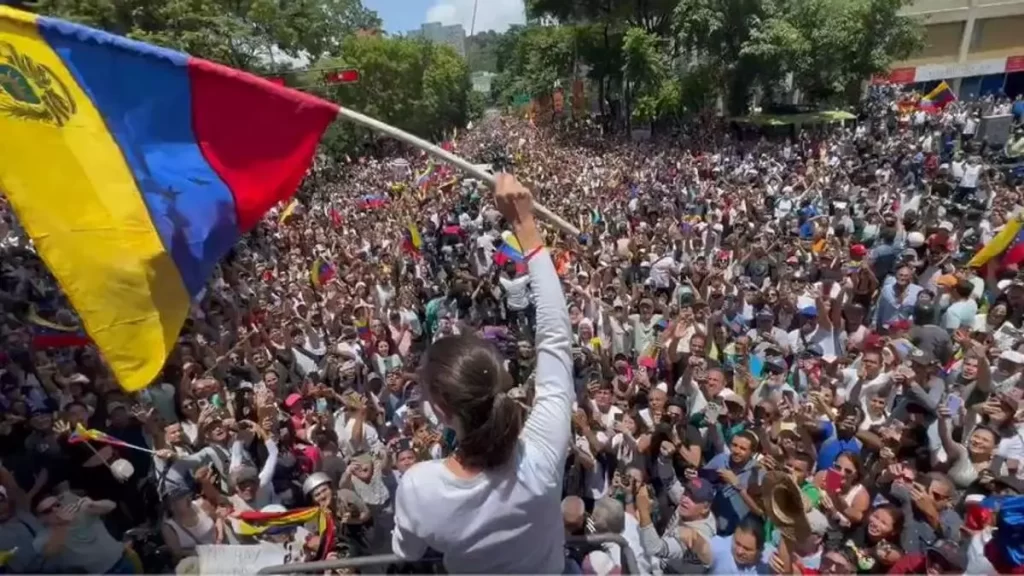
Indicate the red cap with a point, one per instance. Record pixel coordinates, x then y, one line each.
900 325
871 341
292 400
858 251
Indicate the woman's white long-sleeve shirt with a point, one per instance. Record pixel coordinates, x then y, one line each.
507 520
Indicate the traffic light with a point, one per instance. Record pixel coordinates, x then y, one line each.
349 76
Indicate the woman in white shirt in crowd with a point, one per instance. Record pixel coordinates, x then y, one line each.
493 506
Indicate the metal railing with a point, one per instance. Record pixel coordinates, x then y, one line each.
627 559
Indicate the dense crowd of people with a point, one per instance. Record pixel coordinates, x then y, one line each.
736 306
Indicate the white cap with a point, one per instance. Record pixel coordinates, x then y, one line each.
1012 356
727 395
915 239
946 225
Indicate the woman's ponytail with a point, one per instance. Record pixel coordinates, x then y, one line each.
492 442
464 378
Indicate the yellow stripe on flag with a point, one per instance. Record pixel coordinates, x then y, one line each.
74 194
997 245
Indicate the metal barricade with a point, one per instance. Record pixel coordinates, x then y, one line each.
627 560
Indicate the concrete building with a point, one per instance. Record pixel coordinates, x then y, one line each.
453 35
977 46
482 81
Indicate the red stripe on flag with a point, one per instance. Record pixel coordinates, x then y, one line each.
258 138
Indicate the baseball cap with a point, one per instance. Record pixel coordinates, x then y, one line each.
700 491
858 251
728 395
292 400
903 324
921 357
949 553
809 311
775 364
812 351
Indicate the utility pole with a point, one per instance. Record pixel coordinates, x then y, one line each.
472 25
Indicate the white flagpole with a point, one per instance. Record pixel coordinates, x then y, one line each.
442 154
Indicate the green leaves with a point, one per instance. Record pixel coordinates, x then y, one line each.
646 70
247 34
828 46
534 60
410 83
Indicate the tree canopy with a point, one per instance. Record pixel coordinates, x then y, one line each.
668 56
246 34
420 87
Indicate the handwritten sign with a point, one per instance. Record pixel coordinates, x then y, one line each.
238 559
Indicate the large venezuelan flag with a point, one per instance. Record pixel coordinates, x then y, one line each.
135 169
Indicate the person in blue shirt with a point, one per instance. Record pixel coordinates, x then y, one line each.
740 553
841 438
898 297
731 472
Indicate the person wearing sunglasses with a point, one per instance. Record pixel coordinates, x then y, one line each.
74 538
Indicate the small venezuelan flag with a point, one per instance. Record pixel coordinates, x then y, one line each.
413 242
424 177
363 329
509 251
372 202
288 211
254 523
192 155
321 273
938 98
82 434
47 335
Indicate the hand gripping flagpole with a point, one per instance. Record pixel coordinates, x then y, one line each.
442 154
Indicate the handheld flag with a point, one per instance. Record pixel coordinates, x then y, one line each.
254 523
363 329
509 251
412 242
47 335
372 202
938 98
168 160
424 177
287 212
82 434
321 273
1005 249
